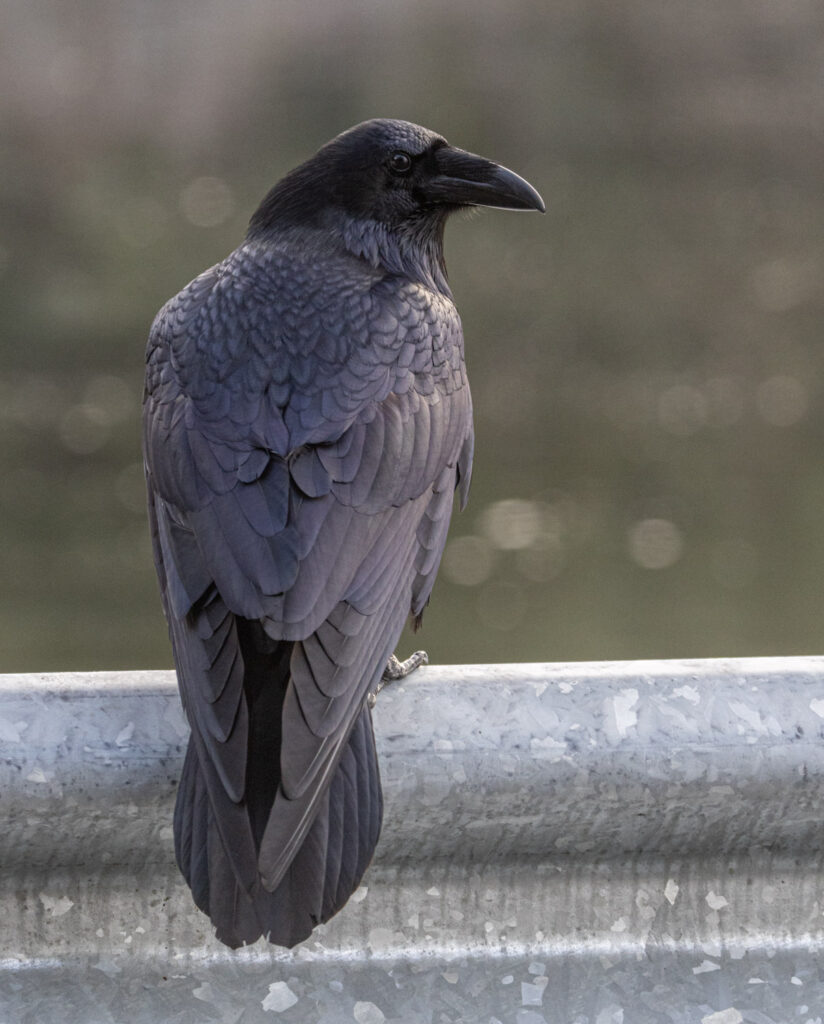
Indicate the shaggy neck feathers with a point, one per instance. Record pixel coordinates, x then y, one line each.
413 250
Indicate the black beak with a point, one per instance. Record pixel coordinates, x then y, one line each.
463 179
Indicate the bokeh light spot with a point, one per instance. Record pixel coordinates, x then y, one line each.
468 560
112 396
655 543
511 524
83 429
207 202
782 284
542 560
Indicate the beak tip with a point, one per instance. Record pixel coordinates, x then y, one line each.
526 197
533 201
534 198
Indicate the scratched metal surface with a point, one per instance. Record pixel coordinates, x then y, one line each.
611 843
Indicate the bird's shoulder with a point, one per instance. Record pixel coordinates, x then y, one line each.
307 326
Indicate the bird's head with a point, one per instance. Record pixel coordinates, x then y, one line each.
387 179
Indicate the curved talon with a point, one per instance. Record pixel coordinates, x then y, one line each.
396 669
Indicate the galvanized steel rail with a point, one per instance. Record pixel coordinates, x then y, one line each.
539 819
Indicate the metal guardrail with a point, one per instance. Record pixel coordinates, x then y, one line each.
608 842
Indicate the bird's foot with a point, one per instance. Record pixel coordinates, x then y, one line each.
396 669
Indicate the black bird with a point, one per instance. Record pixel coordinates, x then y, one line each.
307 420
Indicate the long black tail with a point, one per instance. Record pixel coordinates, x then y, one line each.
337 850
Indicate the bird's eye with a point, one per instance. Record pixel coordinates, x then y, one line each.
400 162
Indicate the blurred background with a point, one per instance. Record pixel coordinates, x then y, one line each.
646 359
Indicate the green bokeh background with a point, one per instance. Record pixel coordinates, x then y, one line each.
646 359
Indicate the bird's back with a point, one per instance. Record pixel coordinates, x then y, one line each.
307 420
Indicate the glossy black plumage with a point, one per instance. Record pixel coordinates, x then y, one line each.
307 420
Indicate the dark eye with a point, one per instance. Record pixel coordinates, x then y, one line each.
400 162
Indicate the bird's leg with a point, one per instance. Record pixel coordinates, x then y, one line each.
396 669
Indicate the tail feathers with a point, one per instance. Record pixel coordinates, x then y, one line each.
324 873
191 829
354 812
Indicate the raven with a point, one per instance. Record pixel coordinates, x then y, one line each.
307 420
